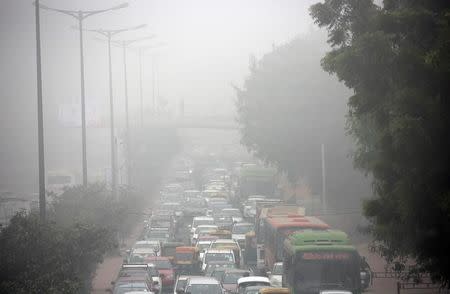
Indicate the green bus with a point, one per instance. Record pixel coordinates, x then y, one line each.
316 261
257 180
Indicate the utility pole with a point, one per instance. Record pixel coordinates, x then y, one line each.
124 44
324 180
141 55
109 34
80 15
42 204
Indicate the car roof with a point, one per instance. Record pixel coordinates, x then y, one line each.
253 279
224 241
207 226
236 270
203 218
147 242
203 281
219 251
243 224
157 258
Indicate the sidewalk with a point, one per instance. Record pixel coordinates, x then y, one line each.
108 270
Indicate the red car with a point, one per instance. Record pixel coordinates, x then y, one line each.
166 270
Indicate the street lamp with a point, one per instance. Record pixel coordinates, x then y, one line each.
141 95
109 34
80 15
124 44
41 160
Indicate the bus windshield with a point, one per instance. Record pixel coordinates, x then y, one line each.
319 271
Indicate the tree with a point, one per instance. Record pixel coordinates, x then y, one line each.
40 257
288 107
396 59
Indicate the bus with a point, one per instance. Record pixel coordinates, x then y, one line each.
277 229
256 180
272 211
320 260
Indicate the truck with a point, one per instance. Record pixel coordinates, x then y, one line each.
315 261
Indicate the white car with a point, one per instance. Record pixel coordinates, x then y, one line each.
220 243
217 255
202 246
202 229
200 285
276 275
201 221
252 281
235 214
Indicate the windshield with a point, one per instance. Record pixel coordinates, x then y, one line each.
205 229
184 256
162 264
203 246
202 222
156 234
233 212
128 287
219 257
204 289
231 278
242 229
314 274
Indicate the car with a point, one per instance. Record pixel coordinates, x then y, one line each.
224 222
203 285
239 230
220 243
245 282
276 275
126 285
202 245
145 271
153 245
235 214
213 265
181 283
201 220
211 255
202 229
166 270
231 276
252 289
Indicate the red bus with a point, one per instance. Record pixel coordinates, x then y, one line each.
277 229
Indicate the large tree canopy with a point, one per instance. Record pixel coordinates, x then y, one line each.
288 107
396 58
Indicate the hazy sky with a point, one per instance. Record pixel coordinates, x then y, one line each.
208 48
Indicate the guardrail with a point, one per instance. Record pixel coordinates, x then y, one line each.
421 286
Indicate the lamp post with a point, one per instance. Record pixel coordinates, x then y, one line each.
125 44
141 95
41 160
109 34
80 15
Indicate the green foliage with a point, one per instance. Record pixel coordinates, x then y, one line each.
49 258
288 107
396 58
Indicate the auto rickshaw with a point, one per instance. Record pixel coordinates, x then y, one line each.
186 260
274 291
168 249
250 252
